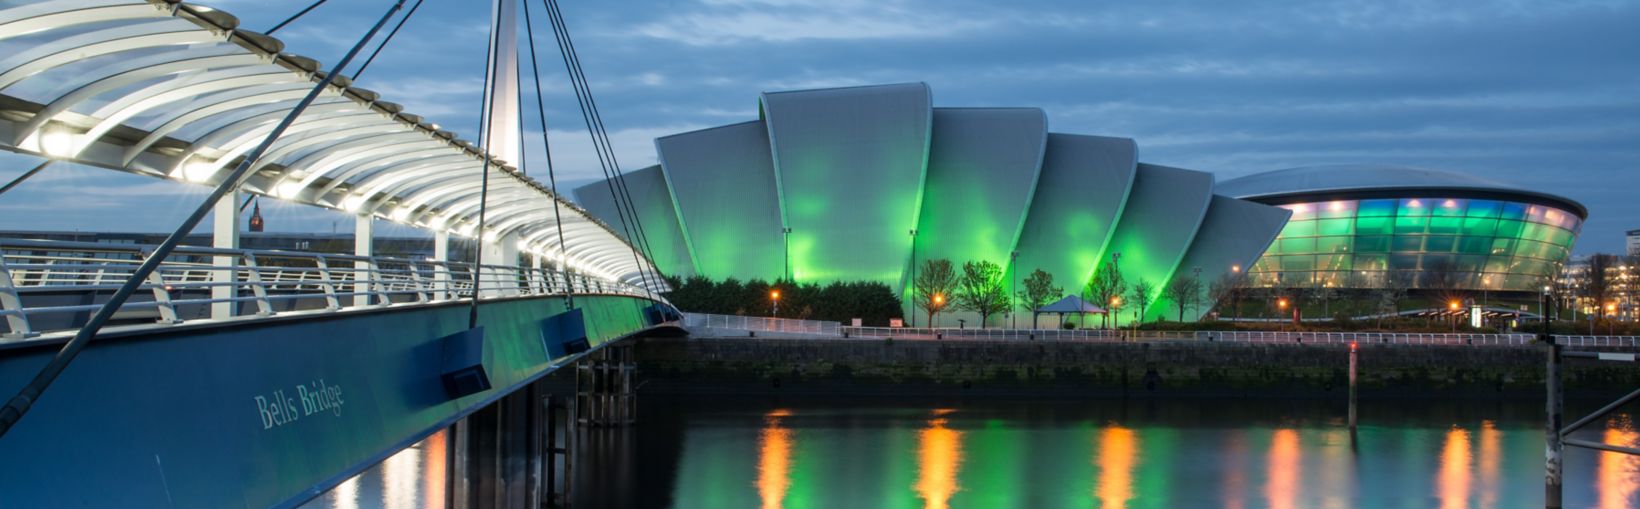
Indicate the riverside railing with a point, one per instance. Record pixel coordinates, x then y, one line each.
47 286
760 324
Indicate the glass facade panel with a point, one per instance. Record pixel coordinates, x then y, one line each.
1500 245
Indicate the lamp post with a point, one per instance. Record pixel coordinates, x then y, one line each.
939 303
1611 309
1115 306
1541 315
1195 292
774 296
786 239
1013 289
1453 306
914 278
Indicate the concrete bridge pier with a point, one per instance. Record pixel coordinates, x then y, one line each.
514 453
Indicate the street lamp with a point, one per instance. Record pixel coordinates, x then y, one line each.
1013 289
914 277
774 296
1611 309
785 238
1115 305
939 303
1453 305
1196 290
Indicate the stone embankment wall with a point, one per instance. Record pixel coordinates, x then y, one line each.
1057 369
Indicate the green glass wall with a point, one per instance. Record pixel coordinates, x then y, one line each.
1485 244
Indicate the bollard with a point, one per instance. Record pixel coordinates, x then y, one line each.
1352 387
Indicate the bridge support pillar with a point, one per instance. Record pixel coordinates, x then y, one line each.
441 254
364 235
225 235
512 454
603 388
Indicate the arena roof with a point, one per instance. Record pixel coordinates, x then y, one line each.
1366 180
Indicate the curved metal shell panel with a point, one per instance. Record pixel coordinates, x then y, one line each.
1163 213
1082 189
647 188
849 165
722 182
982 169
1232 236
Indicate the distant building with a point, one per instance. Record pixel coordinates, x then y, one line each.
1634 242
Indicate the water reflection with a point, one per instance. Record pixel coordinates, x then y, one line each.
1118 452
939 455
1453 485
1490 457
774 460
410 479
1281 486
1618 473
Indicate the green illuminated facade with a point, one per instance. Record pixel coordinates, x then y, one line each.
1433 230
867 183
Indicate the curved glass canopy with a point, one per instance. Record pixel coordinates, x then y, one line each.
178 91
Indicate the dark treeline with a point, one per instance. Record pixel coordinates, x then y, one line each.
874 303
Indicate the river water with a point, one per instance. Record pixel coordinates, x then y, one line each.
761 452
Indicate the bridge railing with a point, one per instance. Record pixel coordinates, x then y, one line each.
760 324
55 285
987 334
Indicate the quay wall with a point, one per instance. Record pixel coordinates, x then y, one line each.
1063 368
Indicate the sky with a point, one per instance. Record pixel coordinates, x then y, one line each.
1541 94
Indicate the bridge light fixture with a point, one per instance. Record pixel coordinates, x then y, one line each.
288 188
490 236
401 213
198 171
353 202
57 143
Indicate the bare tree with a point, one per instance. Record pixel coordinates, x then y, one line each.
1396 285
1105 286
933 286
1596 284
1141 296
1181 291
1039 291
980 289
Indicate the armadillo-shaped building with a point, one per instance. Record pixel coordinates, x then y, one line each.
860 183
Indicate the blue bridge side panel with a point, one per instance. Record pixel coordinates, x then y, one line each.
266 413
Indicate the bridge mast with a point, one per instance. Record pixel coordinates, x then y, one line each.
503 135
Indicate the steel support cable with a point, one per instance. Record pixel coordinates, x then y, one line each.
287 21
546 144
390 34
25 398
485 116
25 176
601 144
609 147
577 82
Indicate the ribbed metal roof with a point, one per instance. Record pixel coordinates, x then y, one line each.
1362 179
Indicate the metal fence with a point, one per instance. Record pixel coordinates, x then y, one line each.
1619 341
55 285
984 334
760 324
1397 338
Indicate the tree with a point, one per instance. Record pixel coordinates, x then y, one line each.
981 290
1396 285
1596 285
933 286
1141 296
1105 286
1039 291
1181 291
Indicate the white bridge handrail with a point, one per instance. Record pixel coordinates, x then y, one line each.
53 285
760 324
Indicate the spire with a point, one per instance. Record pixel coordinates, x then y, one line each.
256 217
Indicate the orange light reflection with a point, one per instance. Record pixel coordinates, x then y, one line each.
774 460
1452 485
1283 476
1619 473
1118 452
1490 457
939 459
